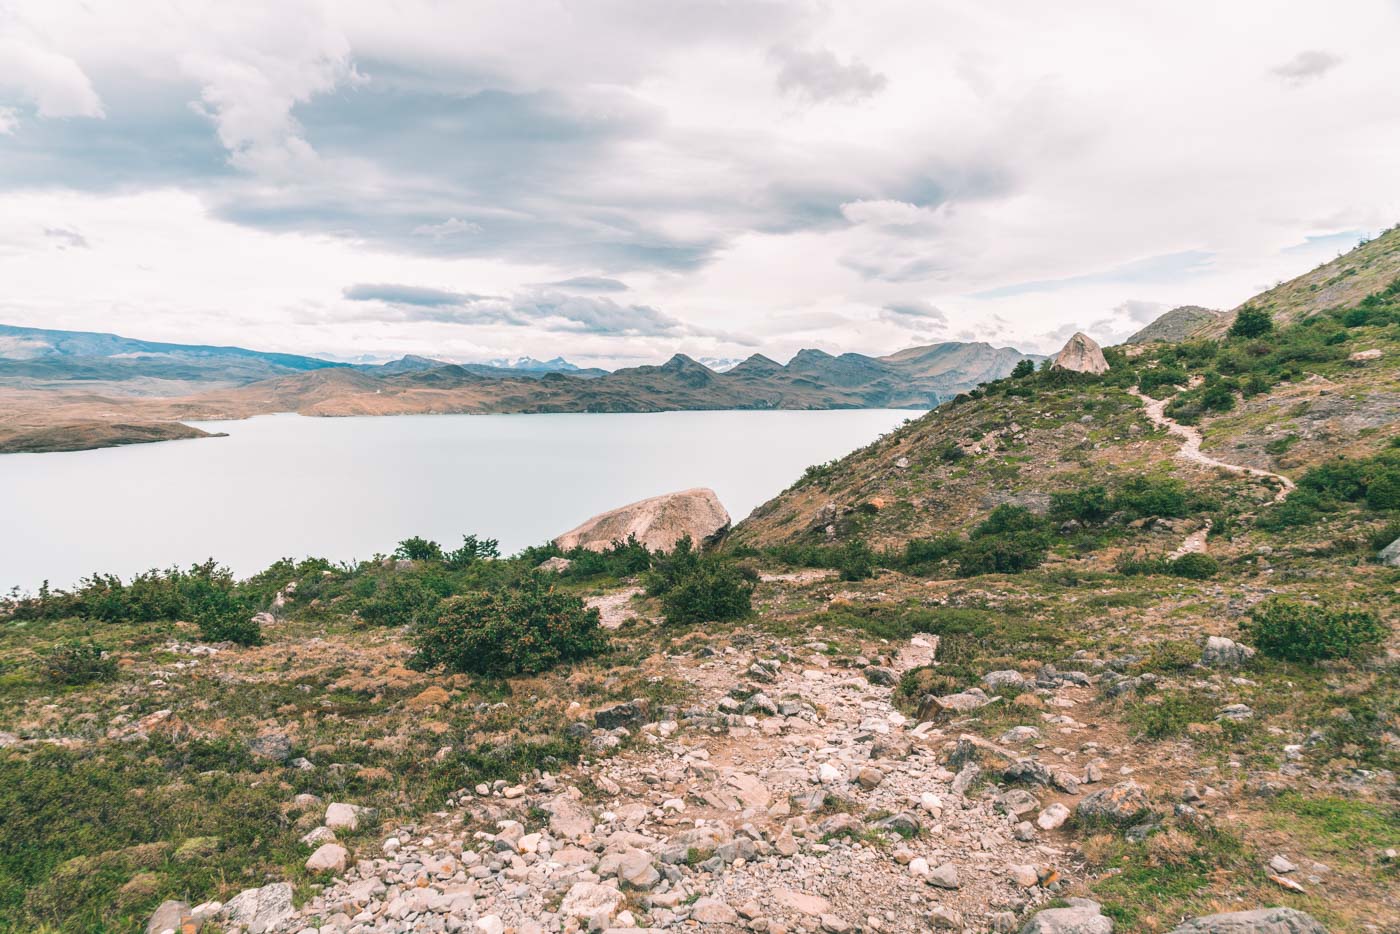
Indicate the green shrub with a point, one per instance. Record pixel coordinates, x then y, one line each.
857 562
397 599
473 549
1252 322
1154 378
1301 632
1007 553
669 568
1142 497
1023 369
1383 490
526 628
714 591
1195 566
418 549
78 662
230 621
1091 505
924 551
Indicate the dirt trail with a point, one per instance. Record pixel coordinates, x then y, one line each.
1191 446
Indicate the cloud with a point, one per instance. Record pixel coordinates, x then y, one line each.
907 312
819 76
408 295
590 284
886 213
9 120
1307 65
66 238
1168 267
452 227
58 87
556 310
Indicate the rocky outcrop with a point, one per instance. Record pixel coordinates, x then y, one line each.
658 522
1082 355
1390 554
1175 325
1220 652
1259 921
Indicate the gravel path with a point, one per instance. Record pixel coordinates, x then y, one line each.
1191 446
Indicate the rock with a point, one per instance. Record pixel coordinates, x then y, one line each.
168 917
259 910
1390 554
1258 921
591 899
635 868
1052 817
318 836
833 924
962 702
329 857
1082 917
996 680
7 740
1081 355
1120 804
491 924
628 714
802 903
1016 801
555 565
343 816
945 876
713 911
567 817
1023 875
1220 652
878 674
658 523
869 777
1235 712
1281 863
274 747
945 918
1366 356
1019 734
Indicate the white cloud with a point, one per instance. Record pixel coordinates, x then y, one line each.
782 168
53 81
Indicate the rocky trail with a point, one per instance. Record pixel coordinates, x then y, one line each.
787 795
1191 446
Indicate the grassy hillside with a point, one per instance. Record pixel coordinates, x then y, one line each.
1339 284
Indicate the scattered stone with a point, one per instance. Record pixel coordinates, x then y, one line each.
329 857
555 565
1220 652
1052 817
945 876
713 911
1282 864
1120 804
274 747
341 816
168 917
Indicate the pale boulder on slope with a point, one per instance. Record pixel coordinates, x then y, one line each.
1082 355
658 522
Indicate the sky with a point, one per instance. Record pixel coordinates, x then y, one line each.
614 181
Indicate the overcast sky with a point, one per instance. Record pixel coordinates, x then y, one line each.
617 180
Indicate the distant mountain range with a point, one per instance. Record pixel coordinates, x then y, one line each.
238 379
68 389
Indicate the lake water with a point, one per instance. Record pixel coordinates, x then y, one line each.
346 488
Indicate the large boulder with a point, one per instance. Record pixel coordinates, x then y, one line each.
1259 921
1081 917
1081 355
1124 802
658 522
1390 554
260 910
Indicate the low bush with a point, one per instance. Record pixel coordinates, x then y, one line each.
1300 632
714 590
525 628
77 662
1252 322
857 562
1193 566
1089 505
